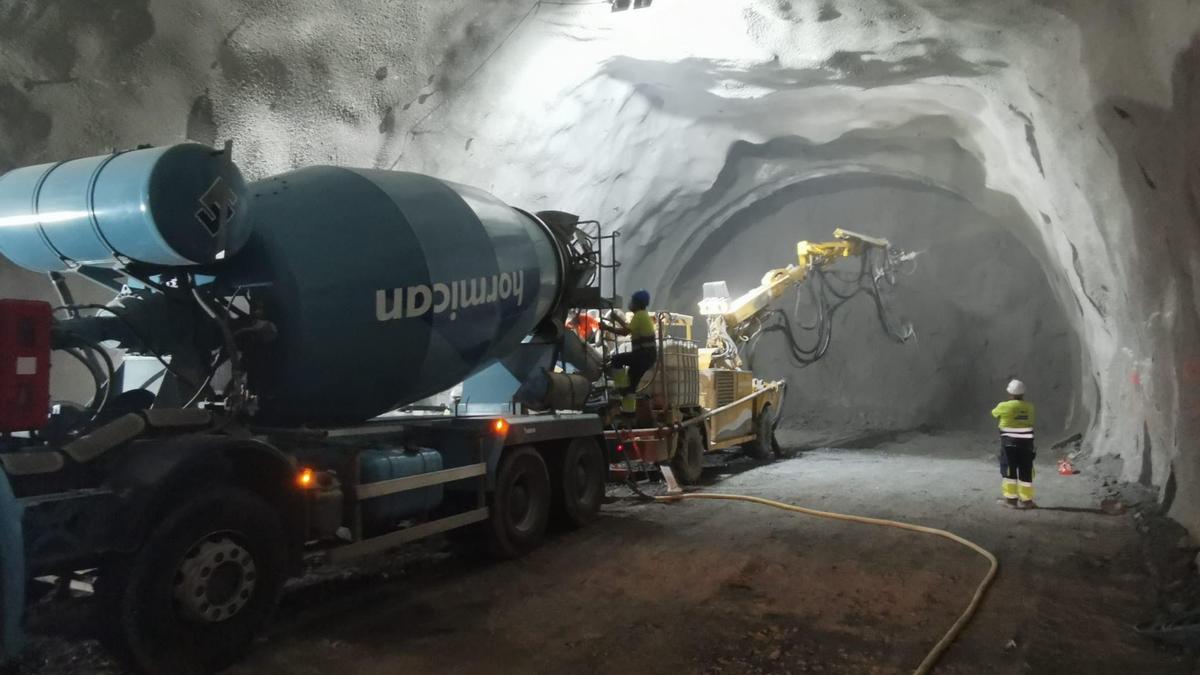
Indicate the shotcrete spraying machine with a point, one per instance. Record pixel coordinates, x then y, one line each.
707 399
256 383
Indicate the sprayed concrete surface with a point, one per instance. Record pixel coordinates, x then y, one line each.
735 588
1066 127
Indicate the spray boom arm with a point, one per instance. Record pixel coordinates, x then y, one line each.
742 319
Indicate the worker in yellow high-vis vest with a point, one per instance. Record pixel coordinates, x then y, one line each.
630 366
1017 452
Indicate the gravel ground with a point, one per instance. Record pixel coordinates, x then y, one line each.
720 587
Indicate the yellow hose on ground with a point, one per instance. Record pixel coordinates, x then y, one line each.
940 648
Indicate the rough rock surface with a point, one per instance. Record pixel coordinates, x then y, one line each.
1060 132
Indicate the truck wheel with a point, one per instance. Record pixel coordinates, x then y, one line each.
520 503
688 462
203 585
763 445
579 477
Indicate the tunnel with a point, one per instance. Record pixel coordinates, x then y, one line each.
972 277
1037 157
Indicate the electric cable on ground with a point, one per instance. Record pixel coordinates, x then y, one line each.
942 645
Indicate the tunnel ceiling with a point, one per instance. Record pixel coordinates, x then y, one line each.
1061 128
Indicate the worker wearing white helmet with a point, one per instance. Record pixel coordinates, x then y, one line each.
1017 452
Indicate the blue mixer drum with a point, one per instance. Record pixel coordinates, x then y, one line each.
386 287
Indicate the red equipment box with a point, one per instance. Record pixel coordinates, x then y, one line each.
24 364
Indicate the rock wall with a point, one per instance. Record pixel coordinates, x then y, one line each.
1043 150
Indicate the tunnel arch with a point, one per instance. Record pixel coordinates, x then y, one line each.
1097 156
847 397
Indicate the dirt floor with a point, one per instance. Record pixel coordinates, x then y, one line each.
716 587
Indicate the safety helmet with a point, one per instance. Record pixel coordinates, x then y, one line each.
640 299
1016 388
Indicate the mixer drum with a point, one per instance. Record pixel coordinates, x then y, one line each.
386 287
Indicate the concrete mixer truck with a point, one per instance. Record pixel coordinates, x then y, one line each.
245 378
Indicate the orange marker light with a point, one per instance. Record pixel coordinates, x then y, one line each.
500 426
306 478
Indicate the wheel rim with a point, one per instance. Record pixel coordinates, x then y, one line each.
519 505
215 580
585 468
766 431
692 456
581 481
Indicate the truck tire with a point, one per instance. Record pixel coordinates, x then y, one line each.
688 462
763 446
579 474
203 585
520 503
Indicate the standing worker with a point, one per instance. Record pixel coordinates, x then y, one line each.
633 364
1017 452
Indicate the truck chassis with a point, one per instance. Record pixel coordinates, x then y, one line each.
193 523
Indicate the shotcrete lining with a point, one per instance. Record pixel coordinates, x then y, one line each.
1074 106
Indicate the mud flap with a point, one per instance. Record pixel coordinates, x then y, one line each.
673 487
12 572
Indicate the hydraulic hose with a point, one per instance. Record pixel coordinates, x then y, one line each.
827 299
940 648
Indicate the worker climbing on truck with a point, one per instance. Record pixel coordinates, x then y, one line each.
1017 452
630 366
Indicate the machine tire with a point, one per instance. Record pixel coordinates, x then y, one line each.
688 462
763 446
222 536
579 474
520 503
